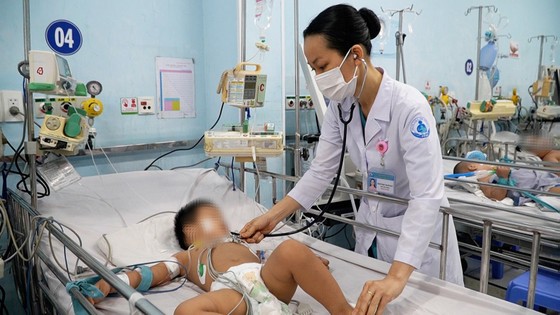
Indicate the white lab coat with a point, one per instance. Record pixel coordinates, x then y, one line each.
414 159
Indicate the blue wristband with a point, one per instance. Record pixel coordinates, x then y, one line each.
503 181
147 276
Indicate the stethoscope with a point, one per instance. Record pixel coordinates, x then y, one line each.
345 123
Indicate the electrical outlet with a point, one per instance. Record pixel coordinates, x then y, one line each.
146 105
9 100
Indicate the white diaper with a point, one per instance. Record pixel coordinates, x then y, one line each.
247 277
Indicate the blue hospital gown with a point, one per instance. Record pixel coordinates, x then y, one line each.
531 179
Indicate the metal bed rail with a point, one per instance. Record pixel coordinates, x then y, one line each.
488 222
21 214
519 165
468 144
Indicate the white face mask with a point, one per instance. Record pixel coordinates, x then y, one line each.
332 83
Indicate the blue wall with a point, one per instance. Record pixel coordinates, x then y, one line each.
121 42
122 39
444 38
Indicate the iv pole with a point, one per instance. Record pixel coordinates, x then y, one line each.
479 38
543 39
400 38
242 55
297 145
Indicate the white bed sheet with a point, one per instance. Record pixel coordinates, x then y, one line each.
105 204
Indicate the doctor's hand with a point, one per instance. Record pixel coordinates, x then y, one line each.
377 294
255 230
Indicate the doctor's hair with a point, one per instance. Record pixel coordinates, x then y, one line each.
343 27
187 215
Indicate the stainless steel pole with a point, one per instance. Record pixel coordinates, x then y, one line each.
399 43
478 39
485 256
242 53
539 73
30 144
31 152
402 63
533 269
297 145
444 242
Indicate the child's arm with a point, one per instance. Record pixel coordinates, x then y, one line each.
161 274
495 193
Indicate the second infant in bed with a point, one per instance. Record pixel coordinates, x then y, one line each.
520 178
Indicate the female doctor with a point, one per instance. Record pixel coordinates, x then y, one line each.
393 141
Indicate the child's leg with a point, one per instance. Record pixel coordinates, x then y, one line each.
293 264
225 301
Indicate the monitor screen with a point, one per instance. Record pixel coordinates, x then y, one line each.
63 67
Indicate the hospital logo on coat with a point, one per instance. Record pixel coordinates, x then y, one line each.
419 127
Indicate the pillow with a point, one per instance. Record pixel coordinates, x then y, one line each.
150 240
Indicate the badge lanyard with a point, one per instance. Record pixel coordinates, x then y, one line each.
380 179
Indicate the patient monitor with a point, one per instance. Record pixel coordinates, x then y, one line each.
50 73
242 87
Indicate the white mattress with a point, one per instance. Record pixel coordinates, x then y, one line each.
105 204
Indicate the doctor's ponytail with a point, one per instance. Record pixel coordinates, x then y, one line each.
343 27
372 21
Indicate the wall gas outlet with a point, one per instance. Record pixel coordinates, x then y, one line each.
146 105
129 105
305 102
9 99
57 105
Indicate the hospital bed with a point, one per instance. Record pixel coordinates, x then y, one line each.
527 220
108 204
537 229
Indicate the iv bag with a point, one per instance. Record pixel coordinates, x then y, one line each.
493 76
263 15
384 33
488 55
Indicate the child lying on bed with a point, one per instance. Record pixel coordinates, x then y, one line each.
232 276
521 178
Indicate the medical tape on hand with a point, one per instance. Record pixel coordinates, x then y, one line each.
173 267
124 278
132 300
147 276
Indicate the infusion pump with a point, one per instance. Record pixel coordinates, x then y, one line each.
50 74
241 87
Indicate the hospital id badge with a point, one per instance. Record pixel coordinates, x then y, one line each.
381 181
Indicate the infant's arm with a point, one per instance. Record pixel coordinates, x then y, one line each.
161 275
493 193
